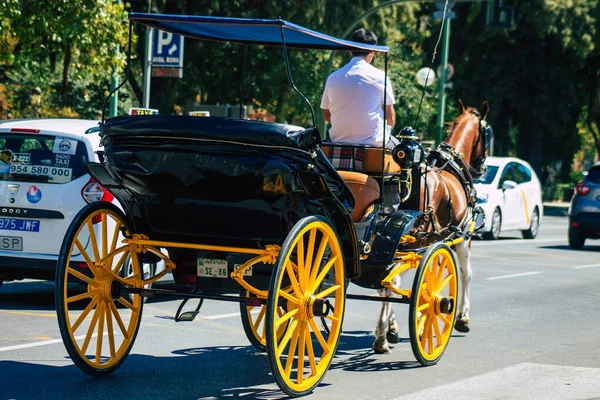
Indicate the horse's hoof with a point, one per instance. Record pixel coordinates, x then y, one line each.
392 337
381 347
462 326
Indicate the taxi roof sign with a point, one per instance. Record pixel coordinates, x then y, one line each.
199 113
143 111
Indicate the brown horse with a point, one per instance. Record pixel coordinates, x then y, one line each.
448 198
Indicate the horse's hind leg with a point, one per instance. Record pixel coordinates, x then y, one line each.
392 333
380 345
464 262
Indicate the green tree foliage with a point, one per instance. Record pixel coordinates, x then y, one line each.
532 74
62 46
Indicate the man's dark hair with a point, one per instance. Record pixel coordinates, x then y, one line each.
363 35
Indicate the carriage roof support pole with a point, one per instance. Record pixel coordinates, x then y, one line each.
385 74
289 74
127 72
242 86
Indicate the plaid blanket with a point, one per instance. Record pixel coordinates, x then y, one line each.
345 157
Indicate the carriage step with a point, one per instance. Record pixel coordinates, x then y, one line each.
187 316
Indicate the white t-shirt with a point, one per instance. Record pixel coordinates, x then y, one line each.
354 96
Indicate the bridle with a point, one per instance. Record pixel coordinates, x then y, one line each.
486 133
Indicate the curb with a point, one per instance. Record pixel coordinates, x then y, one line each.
556 209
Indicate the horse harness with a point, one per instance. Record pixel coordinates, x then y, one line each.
454 162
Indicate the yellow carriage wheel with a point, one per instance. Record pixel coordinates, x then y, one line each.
97 323
433 304
254 322
311 263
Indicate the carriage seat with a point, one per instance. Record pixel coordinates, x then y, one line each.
365 191
360 158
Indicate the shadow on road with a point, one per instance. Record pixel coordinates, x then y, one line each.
194 373
565 247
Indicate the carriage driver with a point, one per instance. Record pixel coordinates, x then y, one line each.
353 99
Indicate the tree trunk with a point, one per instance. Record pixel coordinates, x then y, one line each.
596 136
65 75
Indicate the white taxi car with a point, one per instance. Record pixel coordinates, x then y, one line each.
510 195
43 185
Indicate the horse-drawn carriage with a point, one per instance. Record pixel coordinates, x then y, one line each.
254 213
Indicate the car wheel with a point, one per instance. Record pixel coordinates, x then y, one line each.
576 239
496 224
148 270
534 224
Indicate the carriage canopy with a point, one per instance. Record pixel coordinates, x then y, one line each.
249 31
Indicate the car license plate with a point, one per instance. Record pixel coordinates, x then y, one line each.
12 243
27 225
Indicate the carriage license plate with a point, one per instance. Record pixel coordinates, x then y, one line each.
207 267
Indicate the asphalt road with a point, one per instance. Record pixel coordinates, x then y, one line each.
535 335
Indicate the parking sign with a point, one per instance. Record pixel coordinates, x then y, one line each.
167 49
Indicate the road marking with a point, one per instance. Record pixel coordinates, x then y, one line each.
517 241
31 314
586 266
45 342
223 315
513 275
527 381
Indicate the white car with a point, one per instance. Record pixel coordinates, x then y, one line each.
510 195
43 185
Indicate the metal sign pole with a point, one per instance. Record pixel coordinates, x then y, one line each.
147 68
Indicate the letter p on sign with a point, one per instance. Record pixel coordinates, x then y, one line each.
164 38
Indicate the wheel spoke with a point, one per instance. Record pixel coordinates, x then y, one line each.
311 354
423 307
85 313
445 319
328 291
85 256
309 257
115 269
119 320
127 304
292 276
286 338
421 323
83 296
79 275
302 334
101 307
104 237
91 329
259 318
436 329
109 330
322 274
318 260
290 358
429 331
285 318
115 236
93 240
301 264
444 283
290 298
319 337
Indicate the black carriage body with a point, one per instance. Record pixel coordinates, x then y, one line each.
222 181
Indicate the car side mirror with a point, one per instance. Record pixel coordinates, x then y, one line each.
508 184
479 216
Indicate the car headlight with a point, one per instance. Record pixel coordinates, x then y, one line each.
482 198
